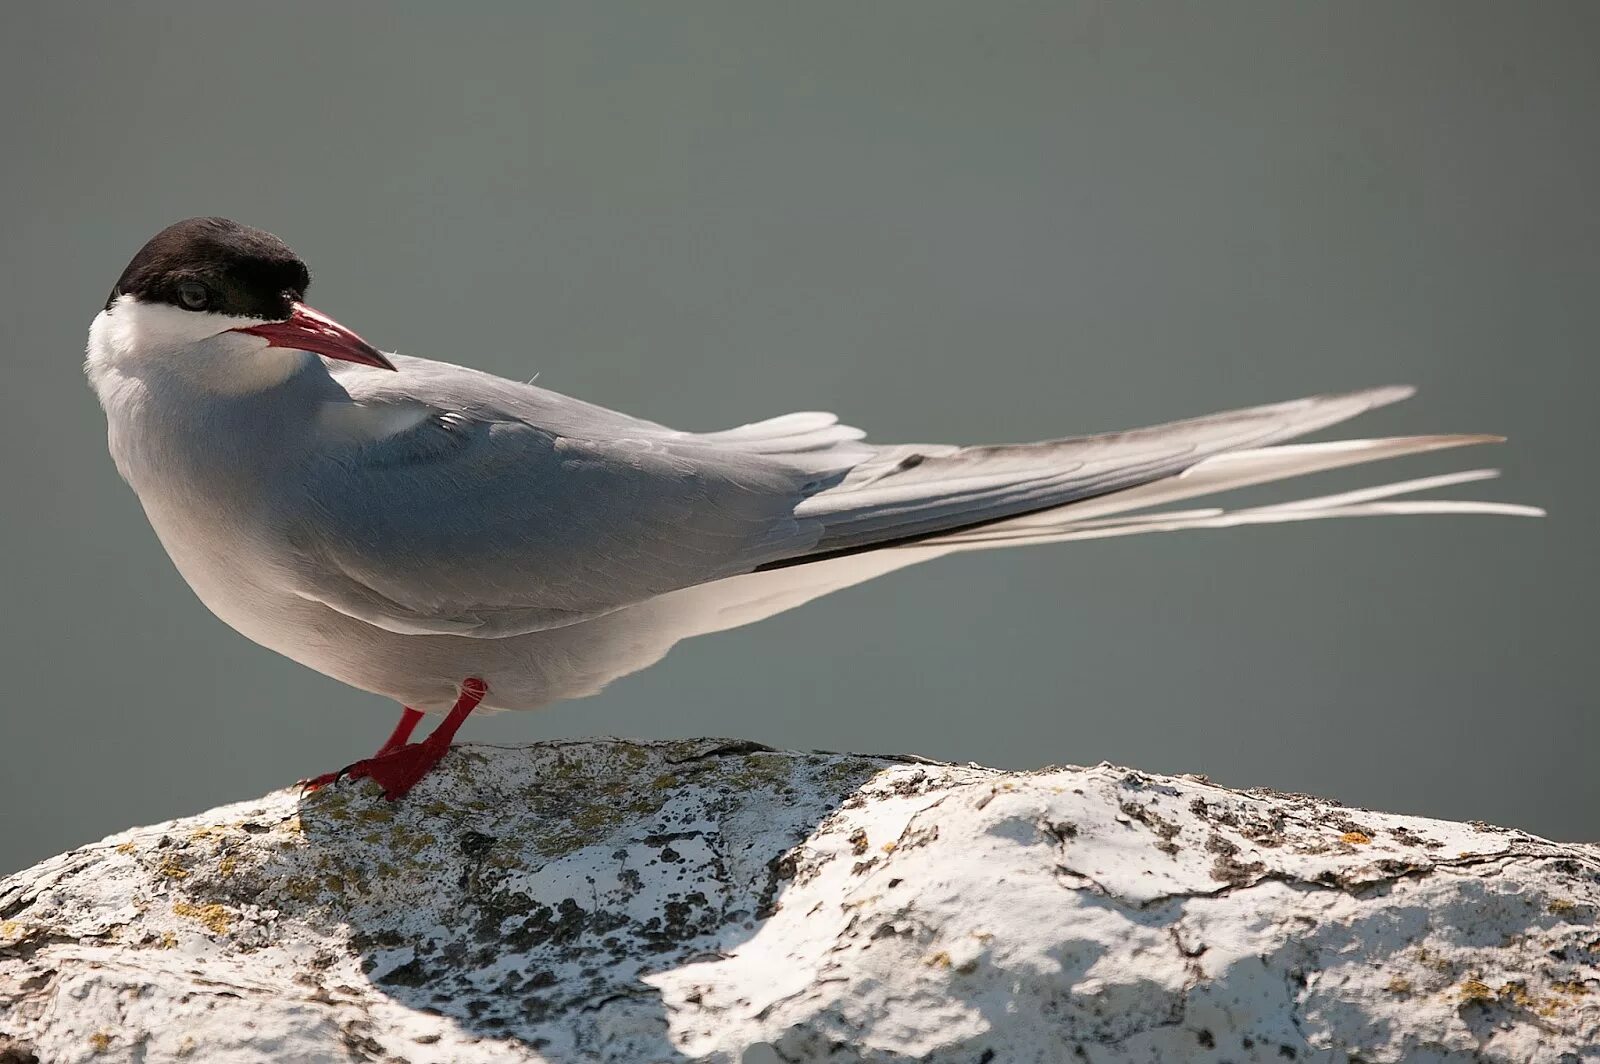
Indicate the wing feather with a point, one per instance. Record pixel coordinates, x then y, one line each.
496 528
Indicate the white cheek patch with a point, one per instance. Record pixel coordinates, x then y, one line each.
152 328
198 345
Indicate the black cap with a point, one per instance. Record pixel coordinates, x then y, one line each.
218 265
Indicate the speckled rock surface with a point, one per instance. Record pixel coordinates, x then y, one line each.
713 900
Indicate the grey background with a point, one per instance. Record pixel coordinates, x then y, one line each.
947 222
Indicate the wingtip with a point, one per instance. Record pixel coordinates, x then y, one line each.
1390 393
1466 439
1441 440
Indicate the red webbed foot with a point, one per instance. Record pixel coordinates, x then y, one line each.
398 766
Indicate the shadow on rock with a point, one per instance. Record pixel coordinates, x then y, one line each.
525 894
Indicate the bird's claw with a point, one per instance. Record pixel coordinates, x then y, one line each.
316 783
396 771
398 765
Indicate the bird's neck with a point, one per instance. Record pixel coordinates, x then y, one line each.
206 412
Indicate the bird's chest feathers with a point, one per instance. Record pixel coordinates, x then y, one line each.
178 450
201 475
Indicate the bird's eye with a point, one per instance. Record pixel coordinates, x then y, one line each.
194 295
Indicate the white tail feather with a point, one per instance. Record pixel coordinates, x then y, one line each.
1364 502
1224 472
742 599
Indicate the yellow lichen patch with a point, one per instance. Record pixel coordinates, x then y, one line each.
1438 962
763 768
167 941
300 888
100 1041
1399 985
14 931
1356 838
172 869
1563 907
938 960
412 843
126 847
1517 994
840 771
228 863
377 813
1475 992
1570 987
890 846
216 918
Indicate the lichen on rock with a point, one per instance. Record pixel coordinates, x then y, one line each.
716 900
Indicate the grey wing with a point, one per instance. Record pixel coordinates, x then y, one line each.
494 528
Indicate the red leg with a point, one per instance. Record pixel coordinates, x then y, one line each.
397 767
402 732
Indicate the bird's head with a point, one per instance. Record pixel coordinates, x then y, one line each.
223 303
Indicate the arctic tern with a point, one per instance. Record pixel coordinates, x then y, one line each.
452 539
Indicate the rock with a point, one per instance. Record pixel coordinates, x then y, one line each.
715 900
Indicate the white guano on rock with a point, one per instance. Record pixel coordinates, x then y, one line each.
713 900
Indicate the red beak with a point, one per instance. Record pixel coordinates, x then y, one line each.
311 330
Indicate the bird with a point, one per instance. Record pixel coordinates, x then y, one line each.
458 541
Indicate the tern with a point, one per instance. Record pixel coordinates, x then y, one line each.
454 540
